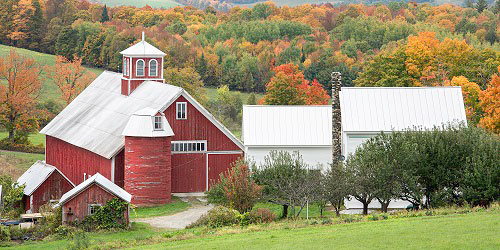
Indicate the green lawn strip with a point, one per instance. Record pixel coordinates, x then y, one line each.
212 94
20 159
177 205
469 231
314 211
35 138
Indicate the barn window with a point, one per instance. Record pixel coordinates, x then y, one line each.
93 208
125 67
189 146
158 125
139 71
153 67
181 110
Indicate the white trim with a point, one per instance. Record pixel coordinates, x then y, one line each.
143 67
128 88
177 110
149 69
207 114
89 206
113 169
204 142
161 66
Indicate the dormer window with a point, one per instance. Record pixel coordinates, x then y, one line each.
153 67
139 70
181 110
158 125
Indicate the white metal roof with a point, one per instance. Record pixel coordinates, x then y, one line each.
36 175
101 181
363 110
142 48
96 118
141 124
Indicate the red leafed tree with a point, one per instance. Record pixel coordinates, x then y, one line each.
289 87
490 103
70 77
240 190
18 96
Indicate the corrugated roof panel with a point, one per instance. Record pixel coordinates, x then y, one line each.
363 110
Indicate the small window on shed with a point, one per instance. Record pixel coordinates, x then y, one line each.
181 110
158 125
93 208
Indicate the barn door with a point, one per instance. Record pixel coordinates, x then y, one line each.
188 173
219 163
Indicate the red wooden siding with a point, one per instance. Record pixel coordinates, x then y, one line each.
73 161
188 173
94 194
219 163
197 127
148 169
120 168
51 189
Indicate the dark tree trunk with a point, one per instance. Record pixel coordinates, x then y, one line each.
285 212
365 207
385 205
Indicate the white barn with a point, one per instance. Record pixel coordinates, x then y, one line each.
366 111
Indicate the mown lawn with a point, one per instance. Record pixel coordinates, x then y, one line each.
314 211
35 138
470 231
177 205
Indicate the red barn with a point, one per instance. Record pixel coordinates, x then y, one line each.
172 144
84 199
43 184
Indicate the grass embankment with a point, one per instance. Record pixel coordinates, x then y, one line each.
314 211
471 230
16 163
177 205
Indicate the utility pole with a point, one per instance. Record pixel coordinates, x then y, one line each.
336 119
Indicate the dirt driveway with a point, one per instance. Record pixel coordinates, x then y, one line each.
179 220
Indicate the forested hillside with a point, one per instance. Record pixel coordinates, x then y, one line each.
398 44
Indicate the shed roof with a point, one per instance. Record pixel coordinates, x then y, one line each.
102 182
368 110
142 48
36 176
96 118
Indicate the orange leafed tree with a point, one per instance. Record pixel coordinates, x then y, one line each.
70 77
470 92
289 87
18 96
490 103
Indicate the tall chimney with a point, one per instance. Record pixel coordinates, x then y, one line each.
336 119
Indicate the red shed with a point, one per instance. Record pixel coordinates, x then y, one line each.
88 137
43 184
83 200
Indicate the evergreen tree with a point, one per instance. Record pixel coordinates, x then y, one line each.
491 36
481 5
496 10
303 58
201 67
104 16
36 26
469 4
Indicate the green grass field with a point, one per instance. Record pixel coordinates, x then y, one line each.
174 207
166 4
314 211
36 139
478 230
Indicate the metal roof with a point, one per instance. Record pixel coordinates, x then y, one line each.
96 118
363 110
101 181
141 124
142 48
36 175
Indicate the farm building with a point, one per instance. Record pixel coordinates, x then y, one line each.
148 137
43 184
365 112
84 199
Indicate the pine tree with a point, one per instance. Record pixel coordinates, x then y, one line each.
104 16
469 4
201 67
303 58
36 25
491 36
481 5
496 10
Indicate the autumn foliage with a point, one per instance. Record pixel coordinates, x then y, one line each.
18 97
70 77
240 190
490 103
289 87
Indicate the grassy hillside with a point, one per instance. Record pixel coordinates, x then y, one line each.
16 163
141 3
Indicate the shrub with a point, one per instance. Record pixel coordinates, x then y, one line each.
218 217
16 233
27 147
107 217
262 215
4 233
80 241
12 196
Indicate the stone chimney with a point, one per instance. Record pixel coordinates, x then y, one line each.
336 119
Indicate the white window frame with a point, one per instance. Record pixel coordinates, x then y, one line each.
125 66
137 68
156 67
155 122
198 146
177 105
90 206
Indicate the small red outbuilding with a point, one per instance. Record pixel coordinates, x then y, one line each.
83 200
43 184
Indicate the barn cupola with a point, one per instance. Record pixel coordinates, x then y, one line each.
148 157
141 62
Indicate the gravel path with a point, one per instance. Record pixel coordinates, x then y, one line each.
179 220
